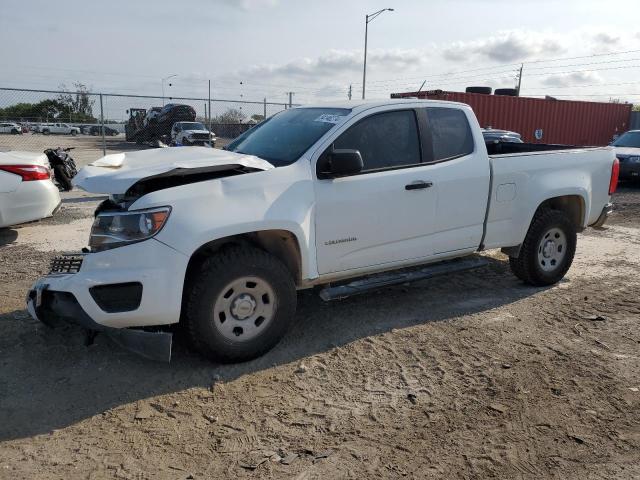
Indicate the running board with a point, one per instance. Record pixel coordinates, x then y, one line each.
397 277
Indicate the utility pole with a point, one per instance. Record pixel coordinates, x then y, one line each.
420 89
209 106
520 79
291 99
264 111
349 94
104 143
367 19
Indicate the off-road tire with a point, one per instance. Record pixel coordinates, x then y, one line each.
62 179
526 266
204 289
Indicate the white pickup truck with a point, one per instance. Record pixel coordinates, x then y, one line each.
348 197
59 128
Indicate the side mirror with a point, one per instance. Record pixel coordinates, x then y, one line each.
339 163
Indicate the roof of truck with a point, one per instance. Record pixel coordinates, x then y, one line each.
365 104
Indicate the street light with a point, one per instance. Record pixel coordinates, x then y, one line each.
163 80
369 18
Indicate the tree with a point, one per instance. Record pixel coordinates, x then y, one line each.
46 110
231 115
257 118
636 108
78 106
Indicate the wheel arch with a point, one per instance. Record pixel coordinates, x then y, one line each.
282 244
574 205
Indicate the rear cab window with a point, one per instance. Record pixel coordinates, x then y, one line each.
450 133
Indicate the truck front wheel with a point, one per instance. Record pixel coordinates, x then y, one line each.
548 249
239 305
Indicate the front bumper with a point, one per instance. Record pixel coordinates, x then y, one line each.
76 294
629 170
55 308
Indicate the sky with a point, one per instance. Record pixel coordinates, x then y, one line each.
256 49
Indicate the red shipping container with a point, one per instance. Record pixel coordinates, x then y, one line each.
556 121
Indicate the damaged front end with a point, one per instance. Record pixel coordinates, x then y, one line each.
120 285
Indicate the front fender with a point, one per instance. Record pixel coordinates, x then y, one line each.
276 199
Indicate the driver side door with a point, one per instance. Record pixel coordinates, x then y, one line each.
384 214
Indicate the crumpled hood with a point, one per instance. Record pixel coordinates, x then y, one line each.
116 173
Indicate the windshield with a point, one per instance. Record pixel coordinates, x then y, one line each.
629 139
283 138
192 126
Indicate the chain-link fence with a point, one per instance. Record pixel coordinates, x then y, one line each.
96 124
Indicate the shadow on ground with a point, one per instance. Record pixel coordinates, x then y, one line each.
49 379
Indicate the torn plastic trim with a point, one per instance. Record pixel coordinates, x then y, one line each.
54 308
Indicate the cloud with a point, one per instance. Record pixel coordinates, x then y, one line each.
340 62
248 5
505 47
606 38
566 79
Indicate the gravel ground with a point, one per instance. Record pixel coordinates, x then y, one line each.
470 376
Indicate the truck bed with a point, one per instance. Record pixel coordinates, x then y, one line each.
523 181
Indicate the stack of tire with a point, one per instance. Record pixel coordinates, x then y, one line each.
505 92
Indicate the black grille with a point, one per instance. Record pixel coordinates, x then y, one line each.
201 136
117 297
66 263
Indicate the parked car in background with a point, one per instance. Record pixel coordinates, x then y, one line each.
59 128
496 135
35 127
192 133
84 129
97 130
26 190
12 128
313 197
627 148
174 112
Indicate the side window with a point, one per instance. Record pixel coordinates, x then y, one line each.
450 133
388 139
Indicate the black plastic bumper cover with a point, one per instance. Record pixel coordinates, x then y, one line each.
62 307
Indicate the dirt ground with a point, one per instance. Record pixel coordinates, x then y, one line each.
472 376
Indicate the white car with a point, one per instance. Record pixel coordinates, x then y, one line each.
59 128
26 190
192 133
347 197
12 128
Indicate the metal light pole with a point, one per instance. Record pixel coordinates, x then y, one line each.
369 18
164 80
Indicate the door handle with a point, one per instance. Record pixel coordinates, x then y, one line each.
418 185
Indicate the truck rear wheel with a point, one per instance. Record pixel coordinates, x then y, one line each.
548 249
240 304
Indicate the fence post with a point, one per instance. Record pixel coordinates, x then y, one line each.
265 109
104 142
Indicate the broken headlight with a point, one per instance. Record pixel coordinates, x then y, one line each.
115 229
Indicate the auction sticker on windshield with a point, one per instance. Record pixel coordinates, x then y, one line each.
329 118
